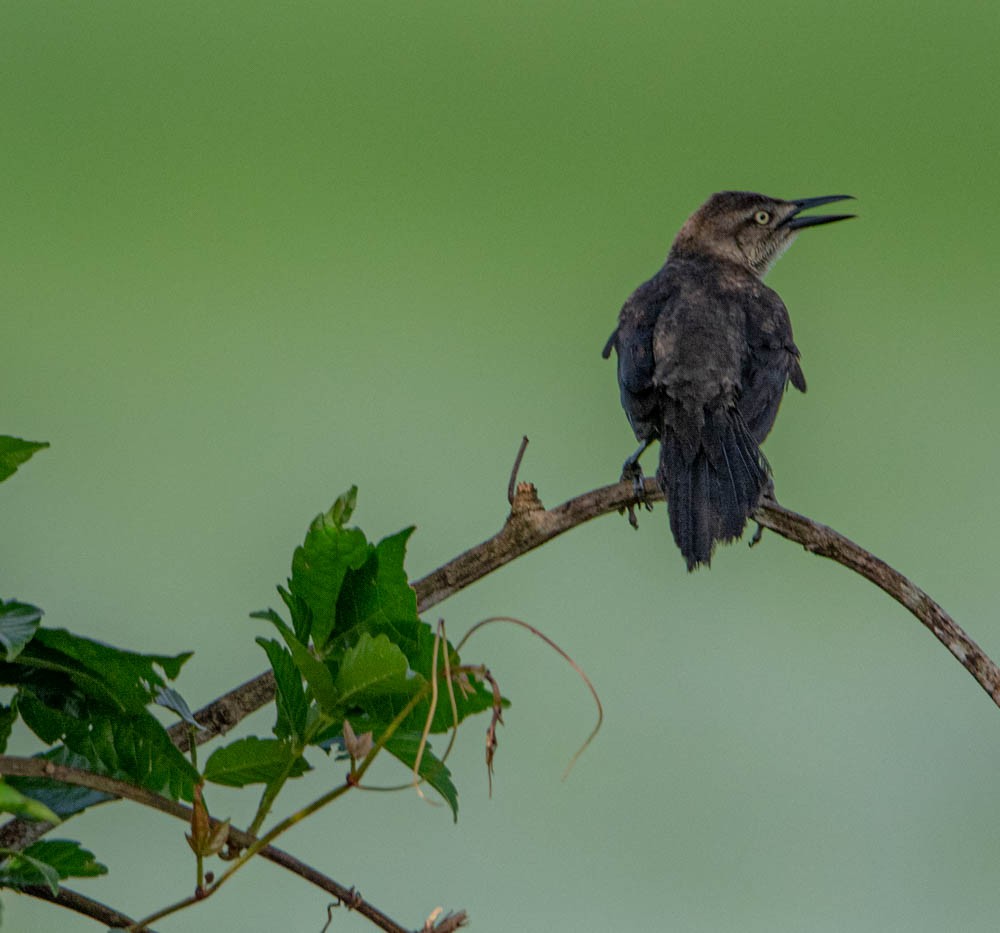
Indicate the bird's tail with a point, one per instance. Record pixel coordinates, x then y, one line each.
713 486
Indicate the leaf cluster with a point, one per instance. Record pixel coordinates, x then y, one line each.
355 671
354 649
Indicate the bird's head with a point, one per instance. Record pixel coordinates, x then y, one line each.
750 230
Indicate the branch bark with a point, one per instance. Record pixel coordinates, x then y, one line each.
81 904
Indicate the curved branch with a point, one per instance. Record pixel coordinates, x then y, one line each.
822 540
81 904
530 525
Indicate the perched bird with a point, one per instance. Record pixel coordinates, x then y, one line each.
705 352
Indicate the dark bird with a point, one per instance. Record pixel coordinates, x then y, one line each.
705 352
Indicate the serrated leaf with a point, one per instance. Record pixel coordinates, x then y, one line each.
290 697
127 678
371 669
68 858
314 671
132 746
13 801
300 613
14 451
254 761
320 563
434 771
18 624
19 870
378 598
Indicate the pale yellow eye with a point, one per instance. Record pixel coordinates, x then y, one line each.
762 217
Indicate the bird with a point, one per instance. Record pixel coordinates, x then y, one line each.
705 354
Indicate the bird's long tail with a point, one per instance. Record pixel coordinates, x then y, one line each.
712 486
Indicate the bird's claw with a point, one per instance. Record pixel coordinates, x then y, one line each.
632 471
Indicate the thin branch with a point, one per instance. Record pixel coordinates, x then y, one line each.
81 904
258 845
822 540
41 768
512 483
530 525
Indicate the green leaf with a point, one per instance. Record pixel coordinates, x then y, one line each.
14 452
68 858
254 761
64 799
300 613
127 678
20 870
8 716
122 681
434 771
13 801
290 697
18 624
320 563
315 672
170 699
131 746
378 598
343 508
369 671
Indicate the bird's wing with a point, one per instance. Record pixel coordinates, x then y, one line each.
772 362
633 340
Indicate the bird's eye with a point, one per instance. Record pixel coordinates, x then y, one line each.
762 217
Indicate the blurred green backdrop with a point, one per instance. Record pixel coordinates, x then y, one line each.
252 253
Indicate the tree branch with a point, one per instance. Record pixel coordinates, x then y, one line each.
81 904
528 526
42 768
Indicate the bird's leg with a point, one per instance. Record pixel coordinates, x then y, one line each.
632 470
766 496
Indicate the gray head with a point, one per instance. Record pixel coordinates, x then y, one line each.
750 230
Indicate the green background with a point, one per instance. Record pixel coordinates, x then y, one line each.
252 253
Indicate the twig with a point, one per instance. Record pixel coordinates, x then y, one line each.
512 483
41 768
81 904
258 845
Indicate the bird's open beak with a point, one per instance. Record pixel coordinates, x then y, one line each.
796 222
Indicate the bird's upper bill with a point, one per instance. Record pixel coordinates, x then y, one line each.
795 221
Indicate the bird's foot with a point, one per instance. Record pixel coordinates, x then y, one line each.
757 535
632 471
